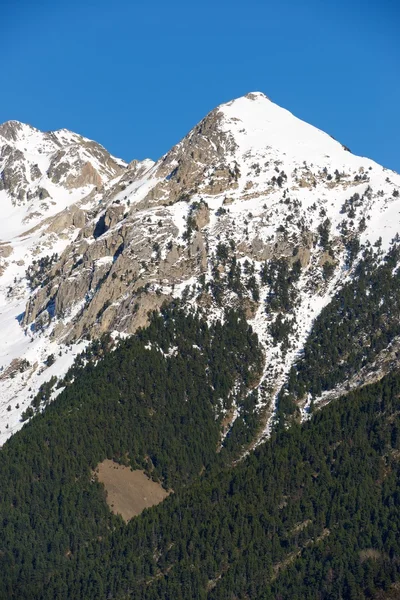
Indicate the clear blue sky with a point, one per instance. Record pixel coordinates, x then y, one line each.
136 76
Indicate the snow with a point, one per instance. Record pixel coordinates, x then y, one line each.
14 390
258 124
179 212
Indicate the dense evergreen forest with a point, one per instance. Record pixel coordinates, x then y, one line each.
362 319
155 402
314 513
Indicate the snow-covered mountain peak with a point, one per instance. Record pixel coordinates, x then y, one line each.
42 173
15 130
251 146
258 124
67 137
252 197
26 139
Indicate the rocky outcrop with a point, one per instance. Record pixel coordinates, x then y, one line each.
201 215
66 160
5 250
121 268
72 216
200 162
13 177
12 130
74 166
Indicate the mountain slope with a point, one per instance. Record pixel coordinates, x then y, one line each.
49 183
313 512
253 209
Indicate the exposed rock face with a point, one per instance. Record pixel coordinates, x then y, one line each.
201 215
11 130
120 269
72 216
199 163
13 177
82 164
5 250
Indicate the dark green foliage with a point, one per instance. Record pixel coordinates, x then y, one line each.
324 232
362 319
227 274
355 201
27 414
281 277
313 513
253 287
234 281
191 225
280 329
353 248
328 270
246 425
279 181
50 360
44 393
153 403
222 252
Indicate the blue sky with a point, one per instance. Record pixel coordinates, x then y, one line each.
136 76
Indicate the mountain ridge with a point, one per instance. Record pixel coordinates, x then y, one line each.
251 197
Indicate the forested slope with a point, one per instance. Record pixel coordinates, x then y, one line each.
313 513
361 320
155 402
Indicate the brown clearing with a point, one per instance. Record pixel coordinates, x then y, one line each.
369 553
128 492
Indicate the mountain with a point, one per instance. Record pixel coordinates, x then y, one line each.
42 173
169 332
253 209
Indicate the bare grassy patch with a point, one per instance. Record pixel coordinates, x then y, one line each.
128 492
